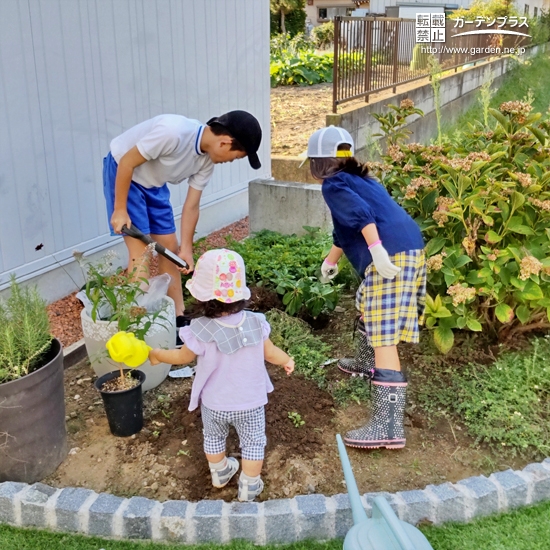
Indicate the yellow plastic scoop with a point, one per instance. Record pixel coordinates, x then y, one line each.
125 348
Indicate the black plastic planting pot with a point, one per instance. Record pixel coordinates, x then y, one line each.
124 408
33 437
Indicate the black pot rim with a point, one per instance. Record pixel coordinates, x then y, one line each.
38 370
140 376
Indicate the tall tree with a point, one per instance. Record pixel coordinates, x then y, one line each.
284 7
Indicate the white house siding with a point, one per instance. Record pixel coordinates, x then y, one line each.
380 6
74 74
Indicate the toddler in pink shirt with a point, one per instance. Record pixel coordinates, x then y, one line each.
231 383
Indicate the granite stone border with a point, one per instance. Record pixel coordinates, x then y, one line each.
315 516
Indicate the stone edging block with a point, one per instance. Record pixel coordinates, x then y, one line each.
315 516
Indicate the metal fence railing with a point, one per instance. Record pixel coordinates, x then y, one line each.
376 53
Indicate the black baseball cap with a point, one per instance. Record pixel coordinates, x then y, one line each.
245 128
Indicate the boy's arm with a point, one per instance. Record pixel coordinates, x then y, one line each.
124 174
171 356
277 356
189 219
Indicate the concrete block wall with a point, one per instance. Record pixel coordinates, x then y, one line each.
286 207
316 516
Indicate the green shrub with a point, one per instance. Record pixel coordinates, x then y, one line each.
284 45
295 19
483 204
24 332
294 61
304 69
290 265
539 28
489 9
323 35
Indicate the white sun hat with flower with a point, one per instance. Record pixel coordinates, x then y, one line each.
219 275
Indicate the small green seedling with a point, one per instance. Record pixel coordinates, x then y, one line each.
296 419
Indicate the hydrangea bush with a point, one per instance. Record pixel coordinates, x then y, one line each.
483 204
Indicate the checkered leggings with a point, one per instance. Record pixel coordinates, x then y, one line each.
250 427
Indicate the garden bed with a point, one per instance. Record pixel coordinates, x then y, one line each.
165 460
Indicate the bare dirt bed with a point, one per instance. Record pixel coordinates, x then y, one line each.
296 112
165 460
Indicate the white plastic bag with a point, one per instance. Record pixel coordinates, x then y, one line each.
104 311
152 299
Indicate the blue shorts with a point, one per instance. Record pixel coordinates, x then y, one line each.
149 208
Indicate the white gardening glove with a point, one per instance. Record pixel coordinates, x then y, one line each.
328 271
382 262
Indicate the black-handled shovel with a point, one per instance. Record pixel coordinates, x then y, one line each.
137 234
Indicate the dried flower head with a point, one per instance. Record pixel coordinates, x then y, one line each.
529 266
525 179
415 147
461 294
543 205
416 184
481 155
440 217
435 262
460 163
407 104
469 245
517 110
395 153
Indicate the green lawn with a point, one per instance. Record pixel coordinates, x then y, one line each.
525 529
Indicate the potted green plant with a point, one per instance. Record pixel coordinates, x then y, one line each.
122 392
33 437
114 298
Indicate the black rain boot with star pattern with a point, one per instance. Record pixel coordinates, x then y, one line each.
385 427
363 362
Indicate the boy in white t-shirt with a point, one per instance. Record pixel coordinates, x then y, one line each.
171 148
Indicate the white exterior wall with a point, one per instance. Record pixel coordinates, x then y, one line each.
379 6
77 73
532 4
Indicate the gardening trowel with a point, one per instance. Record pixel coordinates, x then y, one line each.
133 231
324 279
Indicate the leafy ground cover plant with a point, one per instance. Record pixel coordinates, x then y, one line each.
294 61
505 404
483 204
24 332
290 265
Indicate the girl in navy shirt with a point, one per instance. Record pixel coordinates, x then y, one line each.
385 246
